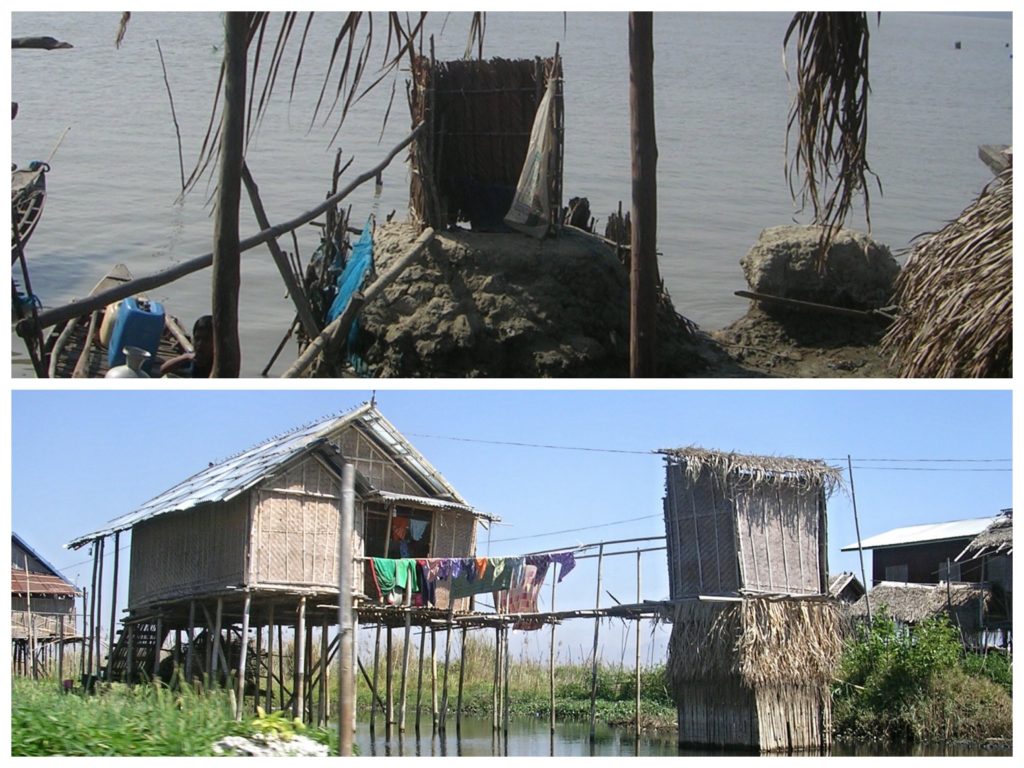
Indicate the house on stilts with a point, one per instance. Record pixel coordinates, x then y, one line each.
43 616
755 635
250 545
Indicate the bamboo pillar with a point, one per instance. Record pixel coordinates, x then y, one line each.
218 623
496 688
644 151
376 668
404 687
419 677
280 667
259 661
90 634
130 663
551 656
97 616
447 664
636 715
157 644
269 693
462 678
389 702
60 652
242 651
506 688
346 616
113 603
321 709
434 714
299 697
307 703
597 630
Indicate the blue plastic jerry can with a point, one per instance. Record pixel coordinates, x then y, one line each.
140 323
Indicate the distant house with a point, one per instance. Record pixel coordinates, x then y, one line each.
924 554
992 552
845 587
42 608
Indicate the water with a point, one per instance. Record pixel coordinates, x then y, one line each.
530 737
721 101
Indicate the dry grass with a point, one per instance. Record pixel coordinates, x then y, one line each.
955 294
804 475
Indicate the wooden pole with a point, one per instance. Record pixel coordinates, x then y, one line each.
130 663
280 667
85 630
97 618
636 715
227 357
259 661
860 549
419 679
310 685
597 630
91 631
376 672
346 615
157 646
30 645
644 151
462 678
218 624
505 687
389 702
406 644
447 663
496 688
434 714
551 655
242 652
270 660
321 707
60 652
298 296
113 602
299 699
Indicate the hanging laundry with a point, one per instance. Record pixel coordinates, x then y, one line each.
391 576
496 576
566 561
399 528
523 597
417 528
426 593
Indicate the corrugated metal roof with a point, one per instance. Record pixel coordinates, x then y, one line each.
224 480
39 583
16 539
919 534
426 501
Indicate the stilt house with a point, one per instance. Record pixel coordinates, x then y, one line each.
42 606
260 530
755 636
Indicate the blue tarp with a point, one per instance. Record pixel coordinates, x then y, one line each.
360 262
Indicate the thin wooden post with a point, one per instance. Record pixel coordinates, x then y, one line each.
60 653
389 702
85 630
636 715
496 688
157 645
269 694
97 617
90 631
113 602
346 615
218 625
130 664
447 663
321 708
551 655
310 685
644 151
30 645
434 714
407 642
597 630
299 697
280 667
227 356
376 672
860 549
462 678
506 688
419 678
242 652
259 661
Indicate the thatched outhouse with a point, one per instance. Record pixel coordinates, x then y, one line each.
478 116
755 637
254 539
43 613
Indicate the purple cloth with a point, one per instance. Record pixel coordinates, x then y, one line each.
567 561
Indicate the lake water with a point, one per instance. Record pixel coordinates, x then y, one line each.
531 737
722 100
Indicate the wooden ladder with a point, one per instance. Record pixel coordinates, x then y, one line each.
142 637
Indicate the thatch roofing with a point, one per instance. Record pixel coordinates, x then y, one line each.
227 479
996 539
810 475
838 583
955 294
913 603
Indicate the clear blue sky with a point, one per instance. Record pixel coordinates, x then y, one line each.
82 458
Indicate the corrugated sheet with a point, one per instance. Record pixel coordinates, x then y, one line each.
226 479
40 584
918 534
425 501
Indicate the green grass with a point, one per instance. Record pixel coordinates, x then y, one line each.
147 720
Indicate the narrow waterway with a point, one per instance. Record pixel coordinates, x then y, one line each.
530 737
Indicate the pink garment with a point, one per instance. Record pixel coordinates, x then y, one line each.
523 598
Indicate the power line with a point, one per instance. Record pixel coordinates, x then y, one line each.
575 530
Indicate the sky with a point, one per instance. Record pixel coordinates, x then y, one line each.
560 468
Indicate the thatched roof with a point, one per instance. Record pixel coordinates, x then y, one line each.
913 603
811 475
763 641
997 539
955 294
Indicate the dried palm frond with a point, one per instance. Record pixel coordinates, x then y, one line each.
830 117
955 294
761 641
806 475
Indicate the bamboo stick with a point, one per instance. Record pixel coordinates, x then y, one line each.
551 657
419 678
280 667
240 699
434 714
346 615
113 604
389 702
269 693
407 643
376 667
462 677
218 624
299 699
447 663
593 665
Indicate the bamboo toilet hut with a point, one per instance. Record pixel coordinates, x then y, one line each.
249 546
43 617
477 119
755 637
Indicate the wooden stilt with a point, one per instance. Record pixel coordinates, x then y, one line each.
419 678
310 686
434 715
593 660
321 709
269 694
217 628
242 651
636 714
496 688
60 652
551 655
97 617
129 667
191 635
113 602
447 665
90 633
85 630
376 668
299 697
406 645
280 667
208 628
258 665
389 702
505 688
157 647
462 678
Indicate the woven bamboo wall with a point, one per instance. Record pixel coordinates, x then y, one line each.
479 115
454 535
380 470
723 538
295 532
187 554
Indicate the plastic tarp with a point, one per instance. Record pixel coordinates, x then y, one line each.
530 211
360 262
